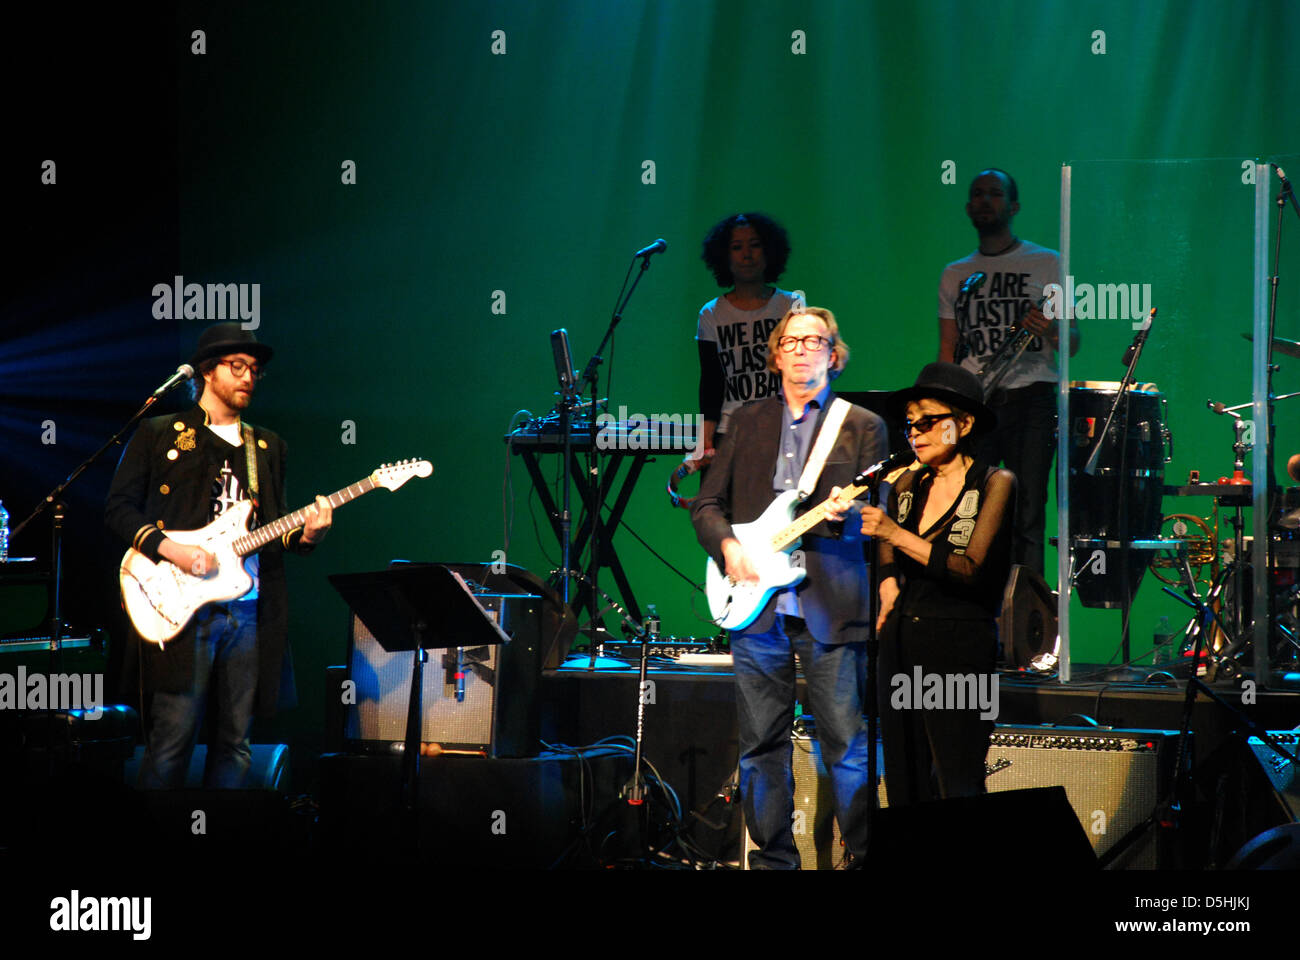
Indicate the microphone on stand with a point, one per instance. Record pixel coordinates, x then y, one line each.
1286 186
903 458
659 246
973 282
1140 339
183 373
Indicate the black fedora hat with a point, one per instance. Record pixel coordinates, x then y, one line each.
951 384
221 339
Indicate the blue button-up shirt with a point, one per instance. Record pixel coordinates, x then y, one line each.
792 454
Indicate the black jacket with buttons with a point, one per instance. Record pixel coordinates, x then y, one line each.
164 482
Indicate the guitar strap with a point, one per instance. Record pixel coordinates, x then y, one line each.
830 432
250 458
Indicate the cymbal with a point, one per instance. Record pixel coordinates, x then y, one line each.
1290 521
1290 347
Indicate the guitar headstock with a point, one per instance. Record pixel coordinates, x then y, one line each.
393 475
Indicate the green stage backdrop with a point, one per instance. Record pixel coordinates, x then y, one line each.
424 190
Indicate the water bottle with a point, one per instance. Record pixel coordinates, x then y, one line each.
4 533
1163 639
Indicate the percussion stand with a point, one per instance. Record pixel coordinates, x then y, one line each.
1167 811
1239 449
1271 498
1131 358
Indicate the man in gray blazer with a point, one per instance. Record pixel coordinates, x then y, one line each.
825 618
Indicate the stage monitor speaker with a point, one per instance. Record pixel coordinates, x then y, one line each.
1027 624
496 714
268 768
816 831
1033 829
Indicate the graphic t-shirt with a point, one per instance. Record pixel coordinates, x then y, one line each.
1015 281
741 340
229 487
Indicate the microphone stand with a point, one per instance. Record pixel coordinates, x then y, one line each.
1272 499
53 500
1131 358
871 700
590 375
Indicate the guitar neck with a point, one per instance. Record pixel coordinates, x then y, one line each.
787 535
255 540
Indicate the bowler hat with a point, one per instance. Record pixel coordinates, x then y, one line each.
221 339
951 384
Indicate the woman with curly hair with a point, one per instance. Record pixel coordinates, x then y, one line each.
746 252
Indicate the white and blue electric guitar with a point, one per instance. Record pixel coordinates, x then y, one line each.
770 542
160 598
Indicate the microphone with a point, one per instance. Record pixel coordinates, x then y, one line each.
1140 339
183 373
1286 185
973 282
1223 408
659 246
903 458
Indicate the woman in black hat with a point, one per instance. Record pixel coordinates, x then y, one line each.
944 556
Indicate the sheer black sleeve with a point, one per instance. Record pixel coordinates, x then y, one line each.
989 539
710 381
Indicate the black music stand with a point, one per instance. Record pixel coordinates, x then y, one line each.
418 607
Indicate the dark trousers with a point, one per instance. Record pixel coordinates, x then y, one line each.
765 697
932 754
1025 442
225 667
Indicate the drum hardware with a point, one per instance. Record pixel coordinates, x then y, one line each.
1127 478
1289 347
1137 436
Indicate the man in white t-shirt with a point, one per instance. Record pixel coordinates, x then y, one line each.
977 318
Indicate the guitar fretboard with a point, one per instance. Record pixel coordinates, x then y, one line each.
256 539
797 528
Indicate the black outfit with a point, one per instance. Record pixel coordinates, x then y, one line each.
165 482
943 622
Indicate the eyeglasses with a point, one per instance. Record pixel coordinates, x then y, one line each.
924 424
812 343
238 368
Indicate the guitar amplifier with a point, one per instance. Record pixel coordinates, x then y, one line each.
816 831
1281 772
497 714
1113 779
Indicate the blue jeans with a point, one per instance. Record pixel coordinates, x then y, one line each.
225 665
765 697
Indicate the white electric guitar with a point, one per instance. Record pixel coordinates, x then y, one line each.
769 542
160 598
